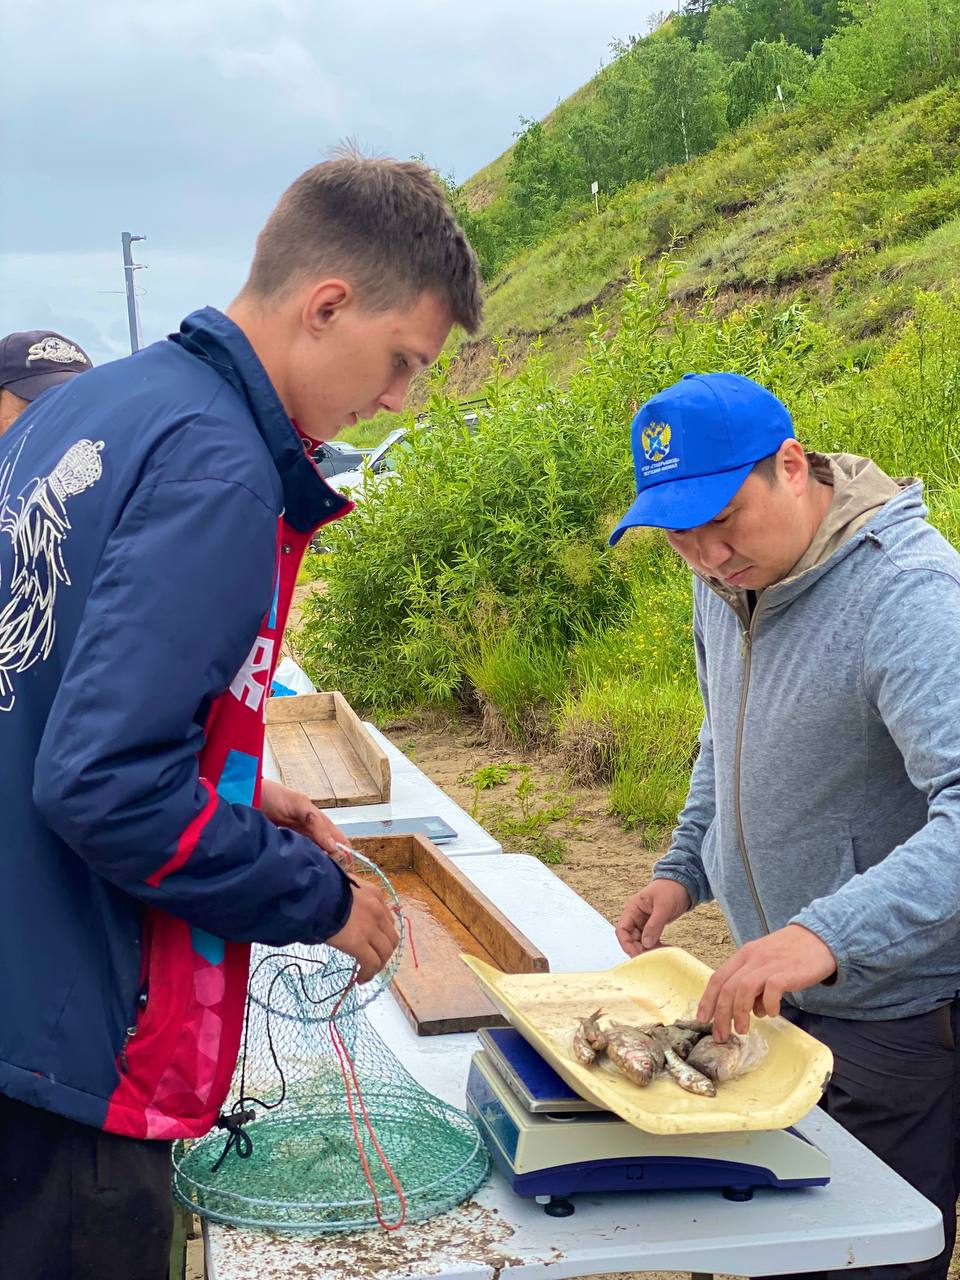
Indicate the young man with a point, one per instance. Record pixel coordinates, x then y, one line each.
152 519
32 362
824 808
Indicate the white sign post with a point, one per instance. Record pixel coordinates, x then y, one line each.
595 192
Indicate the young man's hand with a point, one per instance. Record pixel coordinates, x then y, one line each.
645 914
370 934
289 808
755 979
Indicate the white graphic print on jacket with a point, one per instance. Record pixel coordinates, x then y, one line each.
36 523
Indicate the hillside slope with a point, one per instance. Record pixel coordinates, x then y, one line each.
853 214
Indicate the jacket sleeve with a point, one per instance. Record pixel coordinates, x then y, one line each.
908 905
182 586
682 861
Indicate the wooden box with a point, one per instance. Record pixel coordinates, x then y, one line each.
445 914
323 749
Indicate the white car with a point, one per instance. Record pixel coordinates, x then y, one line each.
380 465
377 468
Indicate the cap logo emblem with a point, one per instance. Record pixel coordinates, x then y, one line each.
57 350
656 441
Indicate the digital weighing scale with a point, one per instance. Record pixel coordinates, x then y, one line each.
550 1143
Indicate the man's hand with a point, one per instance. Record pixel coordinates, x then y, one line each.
757 976
288 808
647 912
369 935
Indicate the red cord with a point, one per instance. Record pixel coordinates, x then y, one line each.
345 1061
413 948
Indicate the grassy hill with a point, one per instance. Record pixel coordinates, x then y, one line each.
851 214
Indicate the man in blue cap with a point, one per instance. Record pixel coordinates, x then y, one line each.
824 808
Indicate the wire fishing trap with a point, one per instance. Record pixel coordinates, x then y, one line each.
326 1131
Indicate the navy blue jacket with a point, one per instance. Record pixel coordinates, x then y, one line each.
153 512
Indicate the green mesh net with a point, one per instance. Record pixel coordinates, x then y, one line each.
327 1131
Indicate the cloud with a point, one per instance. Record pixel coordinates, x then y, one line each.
294 70
185 119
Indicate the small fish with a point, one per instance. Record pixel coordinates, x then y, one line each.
637 1055
691 1024
688 1077
674 1037
734 1057
589 1041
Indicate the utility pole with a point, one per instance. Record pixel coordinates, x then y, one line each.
129 267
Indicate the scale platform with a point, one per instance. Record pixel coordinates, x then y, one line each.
551 1144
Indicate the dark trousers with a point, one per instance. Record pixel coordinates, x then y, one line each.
896 1087
80 1204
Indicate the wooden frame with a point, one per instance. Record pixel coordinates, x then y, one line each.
446 914
323 749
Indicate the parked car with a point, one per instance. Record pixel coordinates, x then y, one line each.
380 465
376 467
332 457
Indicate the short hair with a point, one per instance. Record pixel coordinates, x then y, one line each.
385 225
767 468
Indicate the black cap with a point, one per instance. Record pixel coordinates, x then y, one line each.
31 362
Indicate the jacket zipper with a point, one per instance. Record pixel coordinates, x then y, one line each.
124 1064
746 648
131 1032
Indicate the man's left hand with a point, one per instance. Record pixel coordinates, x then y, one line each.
288 808
755 979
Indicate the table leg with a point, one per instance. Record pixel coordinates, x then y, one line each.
182 1231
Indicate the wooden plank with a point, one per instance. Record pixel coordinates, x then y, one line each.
438 994
349 777
449 915
512 951
298 763
304 706
375 759
357 769
390 853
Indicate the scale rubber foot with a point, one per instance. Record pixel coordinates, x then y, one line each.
557 1207
738 1193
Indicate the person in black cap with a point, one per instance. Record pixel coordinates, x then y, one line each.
32 362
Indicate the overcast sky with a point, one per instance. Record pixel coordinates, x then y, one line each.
183 120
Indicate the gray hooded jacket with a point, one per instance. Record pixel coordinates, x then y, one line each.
827 788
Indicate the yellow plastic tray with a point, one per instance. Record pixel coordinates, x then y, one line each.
658 987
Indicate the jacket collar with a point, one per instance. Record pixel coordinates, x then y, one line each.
214 338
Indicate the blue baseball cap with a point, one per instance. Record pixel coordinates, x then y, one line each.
695 443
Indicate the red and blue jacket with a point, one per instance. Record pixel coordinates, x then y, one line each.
153 514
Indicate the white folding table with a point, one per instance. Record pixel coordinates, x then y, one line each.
413 795
866 1216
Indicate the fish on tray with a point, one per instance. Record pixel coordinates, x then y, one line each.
685 1050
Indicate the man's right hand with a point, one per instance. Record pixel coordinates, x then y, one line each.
370 934
647 912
